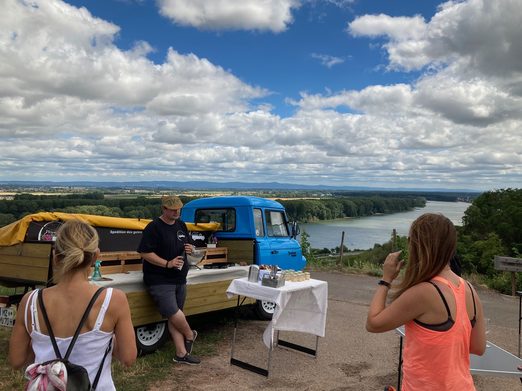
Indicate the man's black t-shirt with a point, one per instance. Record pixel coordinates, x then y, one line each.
167 241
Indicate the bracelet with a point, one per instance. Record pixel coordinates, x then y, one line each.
385 283
167 265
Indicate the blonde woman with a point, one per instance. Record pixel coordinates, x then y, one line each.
442 313
76 249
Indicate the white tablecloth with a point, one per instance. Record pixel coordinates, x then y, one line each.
300 306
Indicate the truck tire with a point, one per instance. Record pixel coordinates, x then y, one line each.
265 309
151 337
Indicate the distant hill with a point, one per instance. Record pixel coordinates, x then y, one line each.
205 185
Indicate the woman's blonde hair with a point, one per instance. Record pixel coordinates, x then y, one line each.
431 244
75 248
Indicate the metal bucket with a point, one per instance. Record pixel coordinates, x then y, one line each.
253 273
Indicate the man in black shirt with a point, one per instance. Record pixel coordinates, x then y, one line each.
163 246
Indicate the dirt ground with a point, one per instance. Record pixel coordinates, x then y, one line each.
349 358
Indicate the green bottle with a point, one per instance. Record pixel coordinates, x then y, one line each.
96 275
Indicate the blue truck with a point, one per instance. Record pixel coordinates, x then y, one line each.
254 230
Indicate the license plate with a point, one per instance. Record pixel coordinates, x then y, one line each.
7 316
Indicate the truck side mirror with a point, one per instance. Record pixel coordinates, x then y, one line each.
295 229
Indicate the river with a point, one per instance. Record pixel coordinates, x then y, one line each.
362 233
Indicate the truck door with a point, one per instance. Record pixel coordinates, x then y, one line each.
284 251
262 243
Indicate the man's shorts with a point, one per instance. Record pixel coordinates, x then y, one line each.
168 298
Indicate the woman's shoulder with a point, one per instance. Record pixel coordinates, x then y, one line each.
26 296
422 287
118 298
25 300
117 294
470 289
421 291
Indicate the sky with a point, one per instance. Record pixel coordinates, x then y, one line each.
399 94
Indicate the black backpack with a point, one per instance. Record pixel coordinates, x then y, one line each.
77 377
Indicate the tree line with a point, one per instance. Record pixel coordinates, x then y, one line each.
309 210
301 210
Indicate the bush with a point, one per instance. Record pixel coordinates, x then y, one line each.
501 282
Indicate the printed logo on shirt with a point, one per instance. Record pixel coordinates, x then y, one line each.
182 237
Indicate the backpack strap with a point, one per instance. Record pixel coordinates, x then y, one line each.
78 329
48 324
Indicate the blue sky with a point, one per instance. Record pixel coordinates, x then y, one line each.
400 94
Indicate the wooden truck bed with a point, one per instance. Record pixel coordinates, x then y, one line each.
25 264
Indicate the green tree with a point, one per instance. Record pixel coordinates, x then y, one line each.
498 212
100 210
306 247
492 225
6 219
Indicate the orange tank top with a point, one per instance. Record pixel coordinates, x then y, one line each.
439 360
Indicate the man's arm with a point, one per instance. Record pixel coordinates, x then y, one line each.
155 259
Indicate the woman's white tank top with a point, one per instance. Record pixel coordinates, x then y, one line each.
88 350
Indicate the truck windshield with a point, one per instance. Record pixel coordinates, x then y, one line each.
225 216
275 223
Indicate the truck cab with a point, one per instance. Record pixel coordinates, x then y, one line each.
253 229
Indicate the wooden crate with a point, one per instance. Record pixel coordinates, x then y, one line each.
120 262
213 255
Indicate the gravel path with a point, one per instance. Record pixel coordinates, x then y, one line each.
349 358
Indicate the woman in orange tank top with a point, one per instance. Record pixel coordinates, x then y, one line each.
441 312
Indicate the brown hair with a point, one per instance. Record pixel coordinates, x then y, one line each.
75 248
432 243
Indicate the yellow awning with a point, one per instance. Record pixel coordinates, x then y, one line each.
14 233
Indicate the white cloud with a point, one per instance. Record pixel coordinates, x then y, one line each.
398 28
55 58
327 60
481 34
381 99
471 51
193 85
475 101
272 15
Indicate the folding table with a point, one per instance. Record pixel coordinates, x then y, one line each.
300 306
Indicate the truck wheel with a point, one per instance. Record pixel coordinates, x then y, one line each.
151 337
265 309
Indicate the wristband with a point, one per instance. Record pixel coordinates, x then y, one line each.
385 283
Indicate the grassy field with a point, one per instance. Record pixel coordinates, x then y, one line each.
9 378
